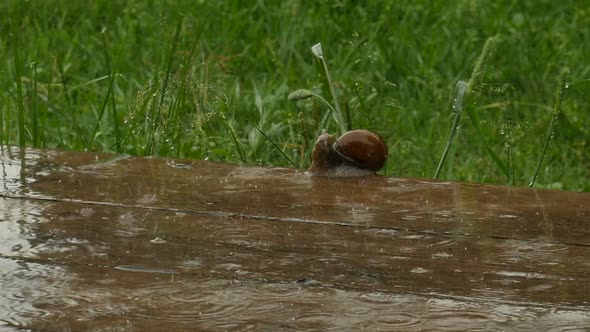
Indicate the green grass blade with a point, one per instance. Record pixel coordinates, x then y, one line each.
112 95
466 98
74 119
508 145
475 122
183 95
19 92
164 89
277 147
457 107
169 64
87 83
103 107
8 123
559 94
234 138
473 87
2 129
46 108
34 109
107 98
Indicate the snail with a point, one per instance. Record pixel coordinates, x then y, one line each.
355 153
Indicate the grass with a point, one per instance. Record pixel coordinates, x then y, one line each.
210 80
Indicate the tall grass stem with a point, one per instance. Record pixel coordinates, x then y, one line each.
19 92
34 109
457 107
168 73
338 115
106 98
3 130
559 95
112 95
472 94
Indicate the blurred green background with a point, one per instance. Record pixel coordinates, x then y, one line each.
205 79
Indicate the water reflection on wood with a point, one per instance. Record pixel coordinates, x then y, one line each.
96 241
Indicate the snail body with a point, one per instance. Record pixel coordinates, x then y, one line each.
355 153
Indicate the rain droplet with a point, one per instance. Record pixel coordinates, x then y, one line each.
158 240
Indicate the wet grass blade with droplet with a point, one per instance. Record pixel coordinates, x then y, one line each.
471 112
457 107
470 100
149 148
559 94
474 85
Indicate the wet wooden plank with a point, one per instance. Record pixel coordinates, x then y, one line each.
118 300
141 263
359 258
152 227
287 194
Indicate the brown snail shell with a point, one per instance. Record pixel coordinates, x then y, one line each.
366 149
355 153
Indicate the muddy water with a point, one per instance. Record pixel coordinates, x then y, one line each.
98 242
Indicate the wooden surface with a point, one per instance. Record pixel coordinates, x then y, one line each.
103 242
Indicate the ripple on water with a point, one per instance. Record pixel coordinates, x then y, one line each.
546 253
393 312
448 315
25 288
18 223
483 315
531 318
565 320
190 301
208 304
225 304
292 306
